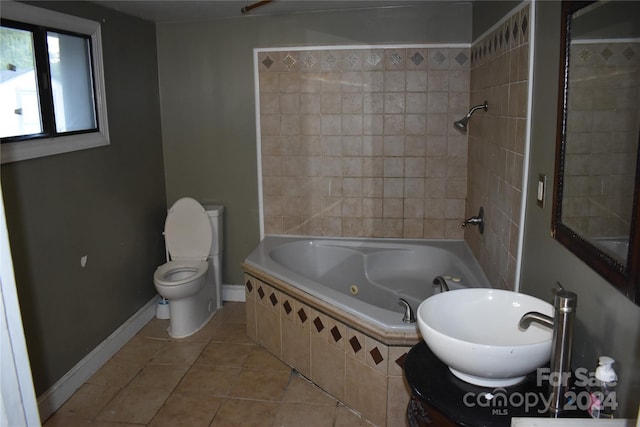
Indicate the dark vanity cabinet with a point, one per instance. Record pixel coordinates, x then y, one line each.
440 399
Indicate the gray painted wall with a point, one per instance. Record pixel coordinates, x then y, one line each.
607 322
207 97
107 203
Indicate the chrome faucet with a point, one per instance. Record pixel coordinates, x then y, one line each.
409 316
534 316
476 220
440 281
565 304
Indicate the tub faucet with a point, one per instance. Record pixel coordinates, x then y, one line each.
440 281
565 304
409 316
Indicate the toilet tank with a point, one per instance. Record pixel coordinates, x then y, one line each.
215 216
214 273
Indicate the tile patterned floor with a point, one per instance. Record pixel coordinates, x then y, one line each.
217 377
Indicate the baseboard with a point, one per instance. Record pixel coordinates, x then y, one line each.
52 399
233 293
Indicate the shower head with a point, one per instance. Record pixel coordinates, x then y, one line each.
461 125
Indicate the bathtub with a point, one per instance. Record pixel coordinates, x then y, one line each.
363 279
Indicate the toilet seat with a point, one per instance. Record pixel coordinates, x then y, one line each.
187 231
180 272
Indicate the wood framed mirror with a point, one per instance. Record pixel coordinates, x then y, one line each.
595 206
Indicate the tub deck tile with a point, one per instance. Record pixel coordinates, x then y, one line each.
338 356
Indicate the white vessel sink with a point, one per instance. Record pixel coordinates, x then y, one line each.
475 333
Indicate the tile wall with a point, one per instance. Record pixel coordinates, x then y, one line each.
359 142
359 370
499 75
602 137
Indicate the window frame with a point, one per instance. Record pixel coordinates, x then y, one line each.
41 147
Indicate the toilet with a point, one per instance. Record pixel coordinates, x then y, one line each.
190 279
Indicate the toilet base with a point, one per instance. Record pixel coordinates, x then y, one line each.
189 315
188 334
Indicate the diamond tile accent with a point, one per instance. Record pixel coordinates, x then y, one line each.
606 53
267 62
249 286
373 59
355 344
376 355
352 60
525 25
628 53
318 323
289 61
302 315
506 35
400 360
416 58
309 60
261 292
395 59
287 307
335 333
439 57
584 54
461 58
273 299
515 31
330 59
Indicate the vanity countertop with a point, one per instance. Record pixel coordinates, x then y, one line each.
467 404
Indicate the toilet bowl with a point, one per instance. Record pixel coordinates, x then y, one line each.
180 279
185 280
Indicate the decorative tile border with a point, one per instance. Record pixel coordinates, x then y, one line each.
605 52
378 59
365 374
511 34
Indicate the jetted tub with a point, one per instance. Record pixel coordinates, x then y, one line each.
366 277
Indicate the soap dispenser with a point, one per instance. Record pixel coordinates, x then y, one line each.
603 394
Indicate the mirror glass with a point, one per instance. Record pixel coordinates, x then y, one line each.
597 159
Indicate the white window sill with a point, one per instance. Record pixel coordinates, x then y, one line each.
31 149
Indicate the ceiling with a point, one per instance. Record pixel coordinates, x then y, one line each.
201 10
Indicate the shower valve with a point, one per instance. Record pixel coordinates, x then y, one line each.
476 220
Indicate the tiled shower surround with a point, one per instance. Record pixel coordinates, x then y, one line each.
500 75
359 142
602 138
357 368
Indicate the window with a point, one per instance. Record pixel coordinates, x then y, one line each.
51 84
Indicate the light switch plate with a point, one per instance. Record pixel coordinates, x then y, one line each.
542 186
